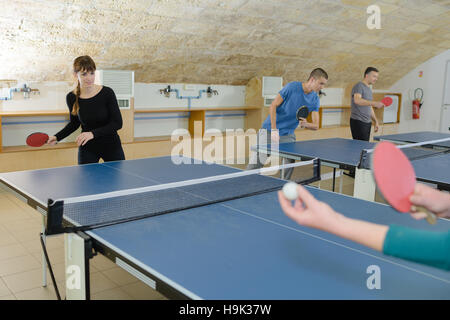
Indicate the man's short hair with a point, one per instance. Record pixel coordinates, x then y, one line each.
369 70
318 73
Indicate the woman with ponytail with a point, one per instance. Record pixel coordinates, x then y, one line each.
95 108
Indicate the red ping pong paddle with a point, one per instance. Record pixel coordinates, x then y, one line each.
302 113
37 139
387 101
395 178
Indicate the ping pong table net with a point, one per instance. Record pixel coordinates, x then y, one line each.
90 212
413 151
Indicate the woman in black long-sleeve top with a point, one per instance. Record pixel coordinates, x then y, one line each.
95 108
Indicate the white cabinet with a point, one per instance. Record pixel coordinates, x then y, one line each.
390 113
270 88
121 81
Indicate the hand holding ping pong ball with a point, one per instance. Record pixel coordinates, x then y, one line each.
290 191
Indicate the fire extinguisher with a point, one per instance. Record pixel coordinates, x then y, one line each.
417 103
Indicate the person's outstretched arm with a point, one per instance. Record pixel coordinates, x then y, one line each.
427 247
310 212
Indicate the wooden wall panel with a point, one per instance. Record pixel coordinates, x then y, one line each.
127 132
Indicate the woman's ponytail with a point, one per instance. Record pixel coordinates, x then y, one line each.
76 106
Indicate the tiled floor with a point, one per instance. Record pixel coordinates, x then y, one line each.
20 261
20 258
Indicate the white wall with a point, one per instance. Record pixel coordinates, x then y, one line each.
146 95
333 98
432 83
52 96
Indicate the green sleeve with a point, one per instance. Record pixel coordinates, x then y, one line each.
427 247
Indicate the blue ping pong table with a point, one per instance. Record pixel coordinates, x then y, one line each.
430 166
414 137
240 249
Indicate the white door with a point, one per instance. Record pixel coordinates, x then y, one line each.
446 99
445 119
445 111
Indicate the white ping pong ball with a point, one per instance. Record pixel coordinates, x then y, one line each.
290 190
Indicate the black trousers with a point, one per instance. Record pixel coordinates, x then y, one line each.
106 148
360 130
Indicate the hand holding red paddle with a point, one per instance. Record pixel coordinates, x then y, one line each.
428 197
37 139
396 179
52 140
387 101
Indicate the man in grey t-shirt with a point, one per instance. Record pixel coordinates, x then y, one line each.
362 108
362 112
